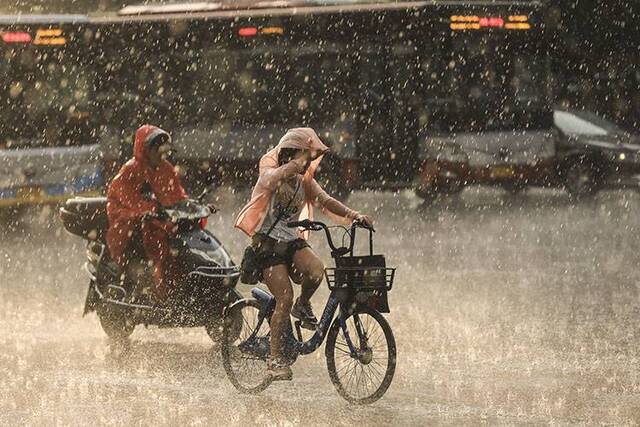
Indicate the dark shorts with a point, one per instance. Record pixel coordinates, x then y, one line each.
271 252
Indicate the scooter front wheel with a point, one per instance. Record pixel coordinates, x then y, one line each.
243 333
115 323
364 376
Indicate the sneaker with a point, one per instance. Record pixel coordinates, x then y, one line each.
279 371
304 313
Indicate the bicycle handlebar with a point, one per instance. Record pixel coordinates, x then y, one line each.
335 251
307 224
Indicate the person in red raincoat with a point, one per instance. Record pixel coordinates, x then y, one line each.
145 177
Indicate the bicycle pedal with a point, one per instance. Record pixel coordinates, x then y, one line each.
308 325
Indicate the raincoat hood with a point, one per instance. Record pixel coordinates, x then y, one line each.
144 134
300 139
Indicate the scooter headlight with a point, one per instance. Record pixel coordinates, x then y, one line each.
220 257
448 174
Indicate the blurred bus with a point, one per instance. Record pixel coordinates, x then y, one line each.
378 81
485 104
48 143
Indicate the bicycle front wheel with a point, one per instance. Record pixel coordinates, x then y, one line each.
245 369
363 377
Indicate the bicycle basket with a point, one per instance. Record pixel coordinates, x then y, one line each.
360 273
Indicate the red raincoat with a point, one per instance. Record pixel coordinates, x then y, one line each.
126 206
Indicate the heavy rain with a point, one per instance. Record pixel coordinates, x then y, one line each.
492 146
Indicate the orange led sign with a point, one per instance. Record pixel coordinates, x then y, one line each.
474 22
49 37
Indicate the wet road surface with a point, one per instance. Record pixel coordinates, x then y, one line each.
505 310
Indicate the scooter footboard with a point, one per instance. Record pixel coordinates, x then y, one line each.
92 299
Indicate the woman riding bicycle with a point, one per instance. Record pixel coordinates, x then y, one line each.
287 191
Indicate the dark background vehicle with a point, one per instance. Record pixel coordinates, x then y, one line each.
582 153
48 145
485 111
594 153
477 69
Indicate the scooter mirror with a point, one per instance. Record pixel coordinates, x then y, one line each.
204 193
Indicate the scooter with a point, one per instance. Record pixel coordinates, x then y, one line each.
206 281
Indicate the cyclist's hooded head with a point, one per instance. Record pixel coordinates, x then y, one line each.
300 139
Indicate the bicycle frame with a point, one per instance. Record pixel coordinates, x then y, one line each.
260 347
293 347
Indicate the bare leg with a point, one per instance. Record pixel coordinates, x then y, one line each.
308 270
277 280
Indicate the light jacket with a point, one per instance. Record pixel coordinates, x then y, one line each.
252 215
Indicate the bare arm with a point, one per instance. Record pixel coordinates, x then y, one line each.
338 208
325 202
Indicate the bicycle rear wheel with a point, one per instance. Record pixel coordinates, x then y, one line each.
246 371
365 377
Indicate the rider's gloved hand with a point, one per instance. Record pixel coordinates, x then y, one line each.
161 214
365 220
147 216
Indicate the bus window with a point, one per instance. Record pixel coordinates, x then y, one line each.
272 86
482 84
434 100
144 76
46 100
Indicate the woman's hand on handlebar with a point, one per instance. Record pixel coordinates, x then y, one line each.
365 220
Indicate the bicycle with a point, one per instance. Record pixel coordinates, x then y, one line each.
360 349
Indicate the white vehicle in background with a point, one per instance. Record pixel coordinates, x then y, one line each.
48 141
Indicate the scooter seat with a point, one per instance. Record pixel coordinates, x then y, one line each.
87 204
